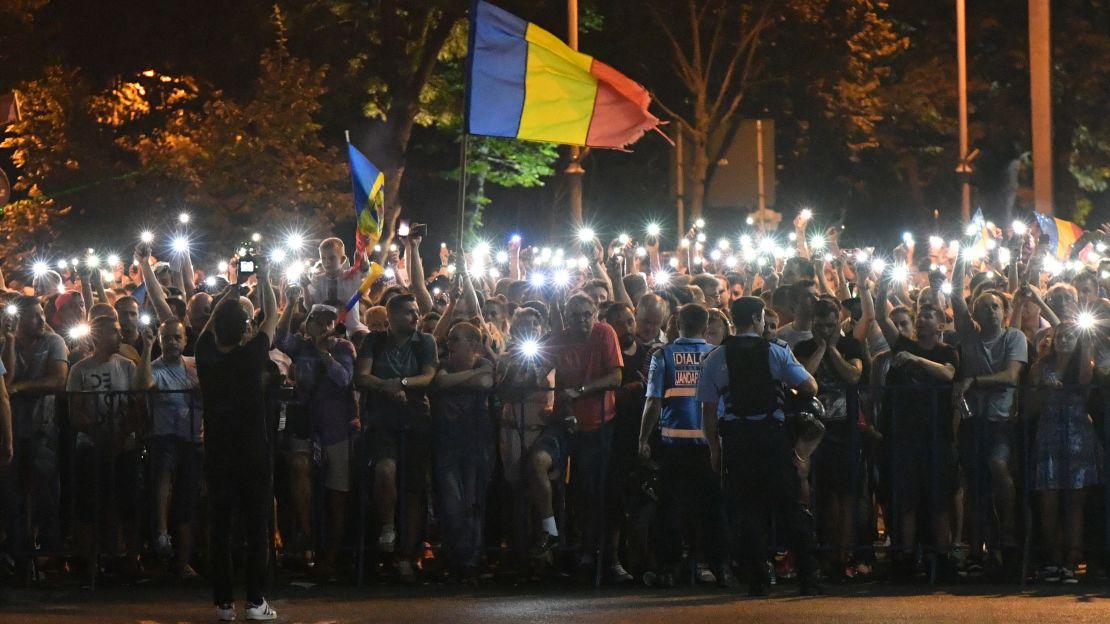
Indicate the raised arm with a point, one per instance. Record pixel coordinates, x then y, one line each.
416 273
269 302
153 288
882 315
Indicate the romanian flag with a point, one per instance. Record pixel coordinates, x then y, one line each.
527 84
1061 234
369 184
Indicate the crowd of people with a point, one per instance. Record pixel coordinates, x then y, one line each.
730 412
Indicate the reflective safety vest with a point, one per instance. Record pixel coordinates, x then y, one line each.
680 420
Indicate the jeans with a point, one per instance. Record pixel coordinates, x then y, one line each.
591 460
464 466
691 506
246 497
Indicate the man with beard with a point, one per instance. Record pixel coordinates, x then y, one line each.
626 427
31 486
395 367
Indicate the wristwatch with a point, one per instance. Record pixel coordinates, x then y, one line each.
404 382
581 389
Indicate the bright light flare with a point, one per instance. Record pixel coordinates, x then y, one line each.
502 257
256 237
662 278
222 267
673 262
653 229
294 271
1019 227
700 223
92 261
180 244
972 229
585 234
144 320
641 252
946 288
817 242
210 281
403 229
900 273
113 260
294 241
184 218
936 242
147 237
806 214
278 255
481 250
561 278
389 273
530 348
907 238
623 239
79 331
39 268
12 309
1086 321
537 280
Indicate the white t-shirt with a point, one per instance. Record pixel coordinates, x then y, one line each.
336 291
115 375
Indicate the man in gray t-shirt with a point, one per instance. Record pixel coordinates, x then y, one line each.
991 357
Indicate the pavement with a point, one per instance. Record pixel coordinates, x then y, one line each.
535 604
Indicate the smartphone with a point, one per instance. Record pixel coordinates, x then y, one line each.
246 267
418 230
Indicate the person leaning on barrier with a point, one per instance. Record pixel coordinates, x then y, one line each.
325 421
31 486
692 501
174 442
587 369
232 365
395 368
919 431
750 443
106 453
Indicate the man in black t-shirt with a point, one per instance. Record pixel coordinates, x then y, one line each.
836 362
918 429
232 360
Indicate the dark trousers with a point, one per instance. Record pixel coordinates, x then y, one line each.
243 498
762 481
691 505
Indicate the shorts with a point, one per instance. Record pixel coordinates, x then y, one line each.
991 440
410 450
555 441
335 459
182 459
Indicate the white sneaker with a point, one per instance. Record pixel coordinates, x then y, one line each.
261 612
225 612
387 541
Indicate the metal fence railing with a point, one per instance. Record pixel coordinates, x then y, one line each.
900 458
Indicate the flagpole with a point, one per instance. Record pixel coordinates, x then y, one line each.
464 147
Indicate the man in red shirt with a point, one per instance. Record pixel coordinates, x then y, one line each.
588 363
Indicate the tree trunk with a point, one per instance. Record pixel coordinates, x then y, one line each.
699 174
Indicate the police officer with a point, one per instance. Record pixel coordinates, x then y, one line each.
751 442
692 502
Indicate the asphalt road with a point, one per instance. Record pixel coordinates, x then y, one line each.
540 605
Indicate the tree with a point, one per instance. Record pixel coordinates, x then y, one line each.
388 51
715 59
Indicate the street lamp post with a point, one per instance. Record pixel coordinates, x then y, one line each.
574 170
1040 95
964 166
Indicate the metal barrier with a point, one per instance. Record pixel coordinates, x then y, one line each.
89 448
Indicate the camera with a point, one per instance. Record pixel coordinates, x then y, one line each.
418 230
